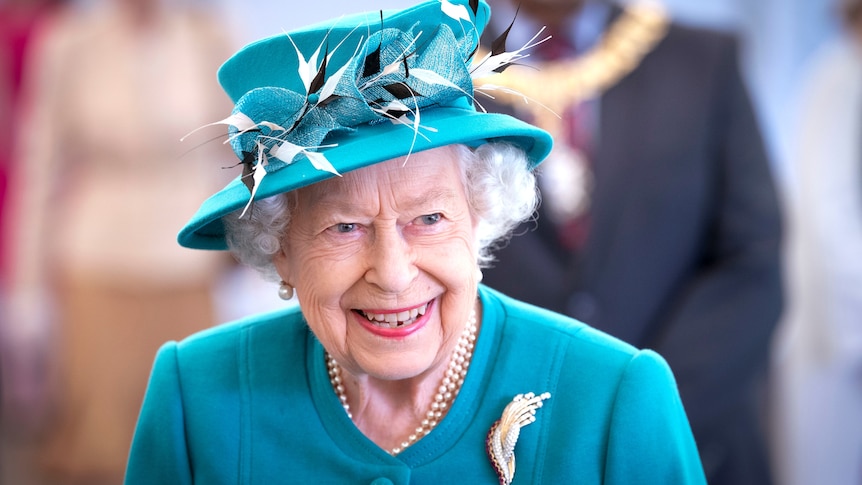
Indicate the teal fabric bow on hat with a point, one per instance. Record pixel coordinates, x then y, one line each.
392 77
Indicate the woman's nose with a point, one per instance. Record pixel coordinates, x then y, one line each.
391 261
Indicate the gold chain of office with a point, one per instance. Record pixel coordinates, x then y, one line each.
552 87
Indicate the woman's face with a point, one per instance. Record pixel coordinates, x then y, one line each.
383 260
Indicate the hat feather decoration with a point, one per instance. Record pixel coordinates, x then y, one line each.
320 101
392 75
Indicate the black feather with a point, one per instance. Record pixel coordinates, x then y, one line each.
396 113
400 91
371 66
320 77
499 44
406 67
328 100
248 159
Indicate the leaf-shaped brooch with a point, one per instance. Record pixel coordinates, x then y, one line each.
503 435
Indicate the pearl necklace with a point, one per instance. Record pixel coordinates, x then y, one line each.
449 387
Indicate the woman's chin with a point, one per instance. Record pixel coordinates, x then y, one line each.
397 366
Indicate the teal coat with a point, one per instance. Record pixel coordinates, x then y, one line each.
251 403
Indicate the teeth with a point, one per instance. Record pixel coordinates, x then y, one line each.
393 320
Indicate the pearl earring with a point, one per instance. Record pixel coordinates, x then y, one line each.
285 291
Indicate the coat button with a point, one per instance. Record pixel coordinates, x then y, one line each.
382 481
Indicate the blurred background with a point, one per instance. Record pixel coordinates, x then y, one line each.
94 184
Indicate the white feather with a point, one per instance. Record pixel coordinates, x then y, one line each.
286 151
258 175
457 12
238 120
319 161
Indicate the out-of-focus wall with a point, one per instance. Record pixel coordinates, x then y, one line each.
778 37
254 19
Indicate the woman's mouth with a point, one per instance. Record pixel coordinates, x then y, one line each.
394 320
396 324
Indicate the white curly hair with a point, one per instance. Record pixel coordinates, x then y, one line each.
498 179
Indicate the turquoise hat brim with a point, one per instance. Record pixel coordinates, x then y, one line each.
368 145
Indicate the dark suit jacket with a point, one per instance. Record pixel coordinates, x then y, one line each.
683 252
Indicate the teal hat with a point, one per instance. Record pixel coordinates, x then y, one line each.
341 95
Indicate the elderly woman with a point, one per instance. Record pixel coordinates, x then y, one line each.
375 190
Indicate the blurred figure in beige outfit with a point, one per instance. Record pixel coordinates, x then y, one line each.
102 188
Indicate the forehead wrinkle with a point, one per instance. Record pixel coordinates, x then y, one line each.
434 195
335 195
437 198
418 193
404 189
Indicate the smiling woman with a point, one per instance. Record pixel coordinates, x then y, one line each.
360 249
375 191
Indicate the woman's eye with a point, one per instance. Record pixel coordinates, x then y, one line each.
430 219
344 227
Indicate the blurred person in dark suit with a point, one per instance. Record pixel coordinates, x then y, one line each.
816 399
101 184
660 221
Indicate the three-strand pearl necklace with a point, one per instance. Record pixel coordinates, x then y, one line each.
451 383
